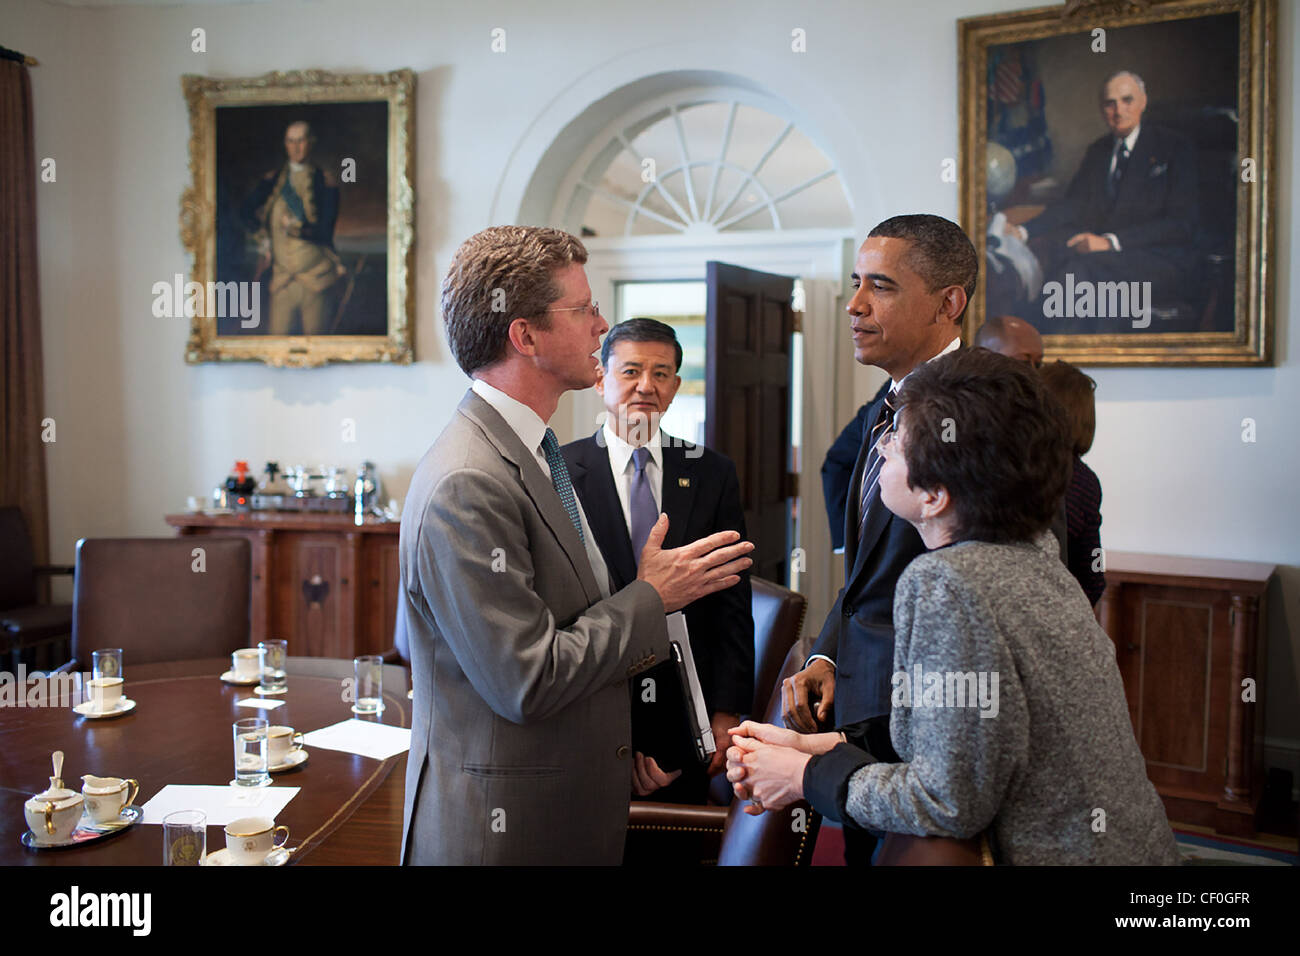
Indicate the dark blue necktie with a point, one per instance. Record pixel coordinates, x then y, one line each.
643 511
560 478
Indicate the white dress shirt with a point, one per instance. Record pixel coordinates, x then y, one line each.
530 428
624 469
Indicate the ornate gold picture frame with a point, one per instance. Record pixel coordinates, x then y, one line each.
1117 177
299 219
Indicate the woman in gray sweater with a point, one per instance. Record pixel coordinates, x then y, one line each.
1008 711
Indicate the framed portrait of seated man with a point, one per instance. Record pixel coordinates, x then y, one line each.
298 219
1117 177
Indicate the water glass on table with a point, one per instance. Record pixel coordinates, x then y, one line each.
185 838
251 769
106 678
275 657
369 684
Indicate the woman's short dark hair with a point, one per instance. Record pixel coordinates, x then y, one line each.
498 275
983 426
1074 390
640 330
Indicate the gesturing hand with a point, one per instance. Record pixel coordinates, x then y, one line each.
686 574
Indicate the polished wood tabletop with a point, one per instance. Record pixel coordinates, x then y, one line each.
348 809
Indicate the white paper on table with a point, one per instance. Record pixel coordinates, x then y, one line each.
259 703
221 804
364 737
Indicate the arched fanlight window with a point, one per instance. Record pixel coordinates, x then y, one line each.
702 166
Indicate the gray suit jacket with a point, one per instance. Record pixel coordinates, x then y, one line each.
521 732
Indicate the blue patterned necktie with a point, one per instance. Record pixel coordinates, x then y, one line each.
560 478
643 511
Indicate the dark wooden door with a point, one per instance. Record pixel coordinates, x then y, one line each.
747 401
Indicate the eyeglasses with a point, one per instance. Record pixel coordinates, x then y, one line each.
886 438
592 310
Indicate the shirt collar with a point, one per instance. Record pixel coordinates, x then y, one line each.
523 421
952 346
1131 139
620 452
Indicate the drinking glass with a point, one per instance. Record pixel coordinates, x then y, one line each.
107 662
250 752
370 684
275 655
185 838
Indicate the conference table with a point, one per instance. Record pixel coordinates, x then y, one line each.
348 810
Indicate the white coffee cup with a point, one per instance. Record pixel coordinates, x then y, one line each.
106 796
250 839
246 663
105 692
280 742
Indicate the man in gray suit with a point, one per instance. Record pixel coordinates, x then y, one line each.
520 740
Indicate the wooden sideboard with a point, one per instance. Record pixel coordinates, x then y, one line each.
324 584
1188 633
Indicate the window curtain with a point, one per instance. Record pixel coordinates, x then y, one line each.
22 377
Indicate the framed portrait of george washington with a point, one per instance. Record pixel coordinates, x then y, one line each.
299 219
1117 177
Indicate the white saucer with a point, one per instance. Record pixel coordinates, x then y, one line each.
368 713
256 786
229 678
87 709
263 692
294 758
222 857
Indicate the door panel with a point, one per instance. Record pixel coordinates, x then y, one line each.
750 329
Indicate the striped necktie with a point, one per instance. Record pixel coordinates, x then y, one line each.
871 476
560 478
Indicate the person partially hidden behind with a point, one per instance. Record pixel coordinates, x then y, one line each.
1009 713
625 475
1074 390
1128 215
1013 337
520 650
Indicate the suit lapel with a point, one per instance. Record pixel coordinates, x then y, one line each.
679 491
536 484
594 483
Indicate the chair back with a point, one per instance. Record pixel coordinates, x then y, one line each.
152 598
778 619
776 838
17 560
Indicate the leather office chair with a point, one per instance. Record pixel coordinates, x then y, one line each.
36 634
145 596
683 834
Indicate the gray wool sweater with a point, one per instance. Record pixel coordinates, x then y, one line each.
1009 715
